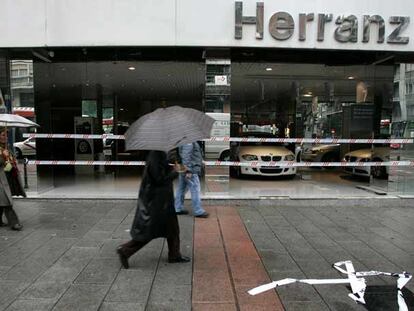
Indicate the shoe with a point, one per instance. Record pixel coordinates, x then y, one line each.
122 258
182 212
2 224
17 227
179 259
203 215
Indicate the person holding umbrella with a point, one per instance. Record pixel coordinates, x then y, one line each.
155 214
155 217
9 175
10 183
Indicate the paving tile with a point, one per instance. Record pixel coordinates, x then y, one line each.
305 306
318 269
297 292
172 306
108 249
23 248
174 274
27 271
211 286
105 225
77 257
131 286
100 271
9 291
278 262
336 297
46 290
239 249
208 225
210 259
260 307
82 297
244 298
267 241
3 270
165 294
122 306
32 305
214 306
205 240
249 272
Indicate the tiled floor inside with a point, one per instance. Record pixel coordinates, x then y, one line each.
309 183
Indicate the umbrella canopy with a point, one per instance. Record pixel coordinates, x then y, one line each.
13 120
167 128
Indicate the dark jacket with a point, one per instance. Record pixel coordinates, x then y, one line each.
155 199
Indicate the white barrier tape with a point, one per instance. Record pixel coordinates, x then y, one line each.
243 139
79 162
75 136
232 163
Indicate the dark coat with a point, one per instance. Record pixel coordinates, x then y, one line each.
155 199
10 183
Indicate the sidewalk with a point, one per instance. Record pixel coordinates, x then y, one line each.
65 258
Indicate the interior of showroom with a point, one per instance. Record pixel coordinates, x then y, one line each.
252 93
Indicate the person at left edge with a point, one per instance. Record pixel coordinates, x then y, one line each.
155 214
10 183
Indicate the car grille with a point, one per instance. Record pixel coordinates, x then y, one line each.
270 170
270 158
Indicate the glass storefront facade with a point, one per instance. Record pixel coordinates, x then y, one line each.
86 91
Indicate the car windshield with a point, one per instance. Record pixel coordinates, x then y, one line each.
259 135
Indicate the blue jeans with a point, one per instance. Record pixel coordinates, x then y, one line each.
193 184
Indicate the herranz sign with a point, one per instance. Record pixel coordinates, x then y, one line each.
282 26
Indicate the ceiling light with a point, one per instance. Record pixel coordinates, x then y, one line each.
131 68
351 78
307 95
269 69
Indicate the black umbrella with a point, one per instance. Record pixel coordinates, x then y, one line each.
167 128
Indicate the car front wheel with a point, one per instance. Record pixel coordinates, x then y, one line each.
378 172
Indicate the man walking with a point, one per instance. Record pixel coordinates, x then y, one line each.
192 159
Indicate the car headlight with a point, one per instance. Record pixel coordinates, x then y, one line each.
290 157
249 157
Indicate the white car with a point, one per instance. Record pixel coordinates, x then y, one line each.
262 152
25 148
218 150
380 154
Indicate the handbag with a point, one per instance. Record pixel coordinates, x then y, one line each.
8 166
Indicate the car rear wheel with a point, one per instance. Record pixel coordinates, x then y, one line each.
225 156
